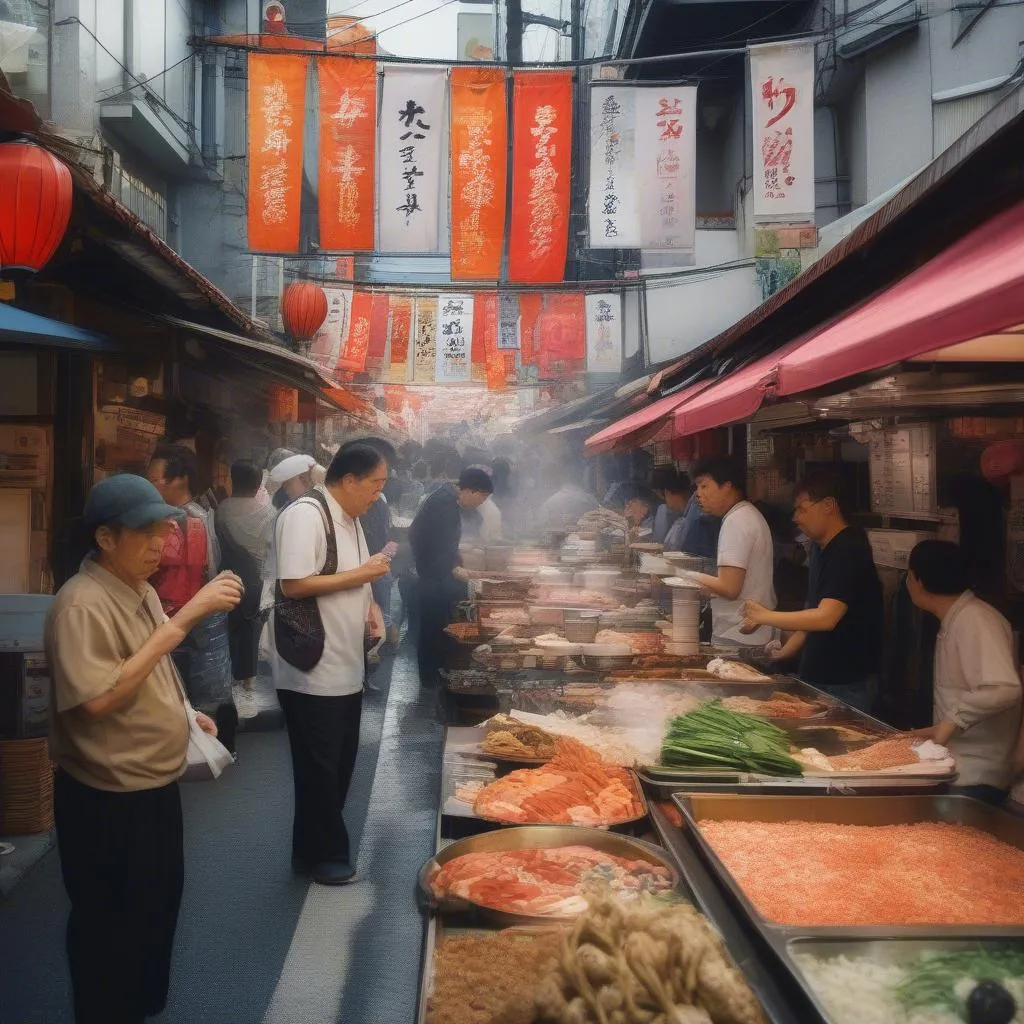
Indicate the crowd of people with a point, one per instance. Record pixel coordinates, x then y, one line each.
161 632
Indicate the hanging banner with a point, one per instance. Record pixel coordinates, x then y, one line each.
604 333
666 147
277 112
399 333
782 80
508 321
348 130
541 171
454 338
561 335
424 343
328 342
530 306
378 346
479 163
481 323
283 405
353 357
614 206
411 182
486 319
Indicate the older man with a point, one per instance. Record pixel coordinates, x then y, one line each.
119 736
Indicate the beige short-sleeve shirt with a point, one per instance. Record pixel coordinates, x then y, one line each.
95 624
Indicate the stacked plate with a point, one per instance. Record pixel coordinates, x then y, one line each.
684 635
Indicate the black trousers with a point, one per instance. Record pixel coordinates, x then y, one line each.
123 864
437 600
324 736
244 644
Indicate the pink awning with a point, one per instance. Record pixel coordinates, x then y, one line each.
650 417
975 288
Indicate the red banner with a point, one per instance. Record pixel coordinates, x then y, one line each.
353 358
561 335
277 112
400 332
541 170
378 327
530 305
479 162
348 133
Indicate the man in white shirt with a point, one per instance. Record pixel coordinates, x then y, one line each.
490 525
322 705
977 688
746 560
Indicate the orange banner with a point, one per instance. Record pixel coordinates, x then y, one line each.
541 154
479 165
399 333
487 357
378 327
353 358
277 112
561 335
348 133
530 305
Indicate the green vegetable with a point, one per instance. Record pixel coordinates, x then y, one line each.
932 981
711 736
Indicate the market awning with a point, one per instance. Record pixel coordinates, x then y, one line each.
29 328
649 417
972 290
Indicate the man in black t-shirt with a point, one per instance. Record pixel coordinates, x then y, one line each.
839 633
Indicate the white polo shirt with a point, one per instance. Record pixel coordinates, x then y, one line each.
745 542
300 541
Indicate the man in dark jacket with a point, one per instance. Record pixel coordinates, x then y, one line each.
434 536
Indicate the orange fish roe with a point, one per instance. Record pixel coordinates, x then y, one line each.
822 874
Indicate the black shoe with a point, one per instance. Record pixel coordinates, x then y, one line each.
332 872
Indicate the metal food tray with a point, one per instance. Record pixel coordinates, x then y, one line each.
853 810
532 837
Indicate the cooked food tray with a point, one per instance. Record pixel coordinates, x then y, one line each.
534 837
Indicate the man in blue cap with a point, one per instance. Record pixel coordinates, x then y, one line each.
119 736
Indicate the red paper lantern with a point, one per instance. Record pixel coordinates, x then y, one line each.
304 307
36 207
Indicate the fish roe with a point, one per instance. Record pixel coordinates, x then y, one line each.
823 874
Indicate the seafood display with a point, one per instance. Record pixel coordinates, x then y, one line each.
778 705
640 642
545 882
508 617
643 963
821 874
933 987
479 979
614 744
891 753
509 738
736 671
575 788
576 597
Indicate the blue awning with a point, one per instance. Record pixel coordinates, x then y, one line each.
31 329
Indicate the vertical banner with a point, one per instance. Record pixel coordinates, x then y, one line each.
604 333
348 128
329 340
485 318
353 357
454 338
411 180
561 335
782 80
424 342
277 112
530 306
481 323
399 334
508 321
666 146
614 206
378 328
479 166
541 170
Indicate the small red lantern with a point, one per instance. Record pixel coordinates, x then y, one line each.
304 307
36 208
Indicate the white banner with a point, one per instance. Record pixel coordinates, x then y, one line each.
604 333
614 205
329 342
454 338
413 134
666 146
424 341
782 81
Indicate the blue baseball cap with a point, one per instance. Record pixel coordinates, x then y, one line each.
129 500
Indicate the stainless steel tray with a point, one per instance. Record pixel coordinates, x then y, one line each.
854 810
526 837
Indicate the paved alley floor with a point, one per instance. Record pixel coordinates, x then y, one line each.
255 944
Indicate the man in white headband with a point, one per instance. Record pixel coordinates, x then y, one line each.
293 477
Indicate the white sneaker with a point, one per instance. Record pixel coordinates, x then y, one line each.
245 702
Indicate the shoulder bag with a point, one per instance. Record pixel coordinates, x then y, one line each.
298 627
